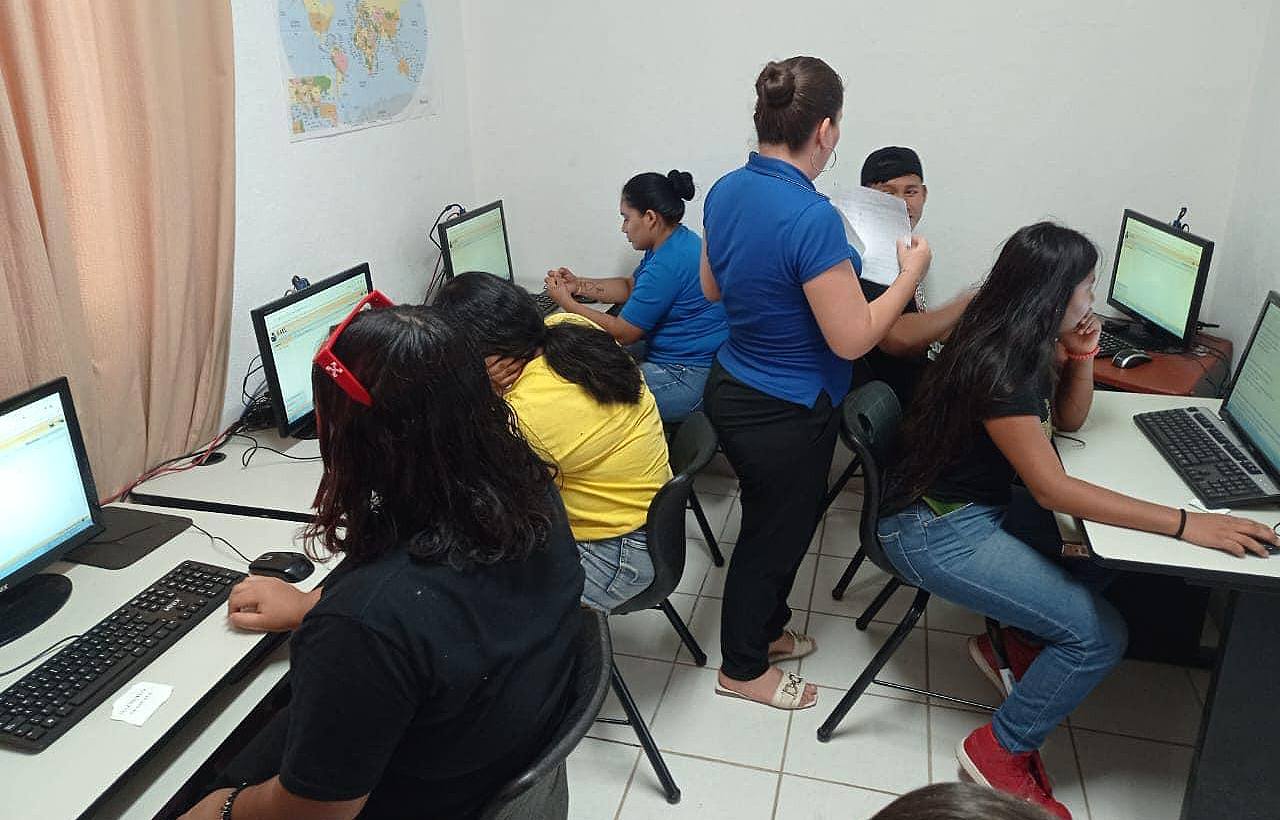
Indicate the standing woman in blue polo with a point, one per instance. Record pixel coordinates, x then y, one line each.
664 302
776 256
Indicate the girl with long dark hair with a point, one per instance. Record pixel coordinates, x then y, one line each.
664 304
438 664
777 256
1019 365
580 400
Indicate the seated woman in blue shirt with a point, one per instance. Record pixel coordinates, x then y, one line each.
777 255
664 302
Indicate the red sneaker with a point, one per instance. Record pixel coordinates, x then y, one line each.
1021 775
1019 651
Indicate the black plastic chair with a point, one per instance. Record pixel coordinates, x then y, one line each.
691 449
873 419
541 792
713 544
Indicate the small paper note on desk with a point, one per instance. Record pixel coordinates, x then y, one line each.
140 702
874 222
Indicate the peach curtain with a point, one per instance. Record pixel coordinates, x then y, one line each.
117 184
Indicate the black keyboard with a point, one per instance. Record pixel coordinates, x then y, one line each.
53 697
546 305
1109 344
1216 469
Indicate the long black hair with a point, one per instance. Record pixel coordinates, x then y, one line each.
664 195
436 462
1004 340
502 319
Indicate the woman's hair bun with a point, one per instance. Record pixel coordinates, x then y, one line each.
681 183
776 86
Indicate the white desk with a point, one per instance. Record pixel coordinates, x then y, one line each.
1119 457
1233 771
98 756
272 486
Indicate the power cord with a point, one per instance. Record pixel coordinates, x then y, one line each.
436 275
247 456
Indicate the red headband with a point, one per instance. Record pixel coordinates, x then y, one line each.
334 366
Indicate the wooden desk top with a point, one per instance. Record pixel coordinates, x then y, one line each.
1173 374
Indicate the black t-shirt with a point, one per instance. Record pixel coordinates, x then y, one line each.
428 687
982 474
902 374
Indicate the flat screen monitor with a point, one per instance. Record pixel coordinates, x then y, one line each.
48 502
1159 277
290 330
1253 400
477 241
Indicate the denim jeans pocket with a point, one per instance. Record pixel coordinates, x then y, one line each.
894 550
635 567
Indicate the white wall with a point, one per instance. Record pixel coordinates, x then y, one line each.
1247 263
317 207
1074 111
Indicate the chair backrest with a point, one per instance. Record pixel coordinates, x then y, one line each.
541 792
690 449
871 420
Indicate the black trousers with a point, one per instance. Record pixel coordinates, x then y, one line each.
782 454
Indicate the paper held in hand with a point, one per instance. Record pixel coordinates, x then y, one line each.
874 222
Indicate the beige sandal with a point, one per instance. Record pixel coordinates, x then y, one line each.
801 645
788 696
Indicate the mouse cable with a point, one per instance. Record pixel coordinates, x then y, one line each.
50 648
216 538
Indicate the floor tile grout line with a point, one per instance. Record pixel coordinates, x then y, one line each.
1084 789
841 783
626 790
777 795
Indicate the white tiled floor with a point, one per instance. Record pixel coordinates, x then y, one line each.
1125 753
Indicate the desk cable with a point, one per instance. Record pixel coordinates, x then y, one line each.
247 456
52 647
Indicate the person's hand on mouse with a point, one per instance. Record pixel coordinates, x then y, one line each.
263 604
1229 533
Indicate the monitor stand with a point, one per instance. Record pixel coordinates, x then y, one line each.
31 603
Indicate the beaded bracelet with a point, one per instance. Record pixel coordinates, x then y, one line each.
1080 357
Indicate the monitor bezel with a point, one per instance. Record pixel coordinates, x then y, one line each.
62 388
259 318
443 236
1188 335
1273 469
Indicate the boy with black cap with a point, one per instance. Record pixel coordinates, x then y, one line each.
900 358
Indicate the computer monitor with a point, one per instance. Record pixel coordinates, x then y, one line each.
290 331
1252 402
48 503
1158 279
477 241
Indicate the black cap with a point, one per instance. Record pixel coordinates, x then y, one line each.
891 163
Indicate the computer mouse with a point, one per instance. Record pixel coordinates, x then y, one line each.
287 566
1130 357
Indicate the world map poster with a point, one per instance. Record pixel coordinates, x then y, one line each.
351 64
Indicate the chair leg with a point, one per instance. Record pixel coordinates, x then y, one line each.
1002 657
686 637
713 545
873 668
849 472
646 740
873 609
837 592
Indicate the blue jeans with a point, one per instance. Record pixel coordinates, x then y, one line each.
970 559
676 387
617 569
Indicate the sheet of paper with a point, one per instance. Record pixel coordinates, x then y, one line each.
140 702
875 222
